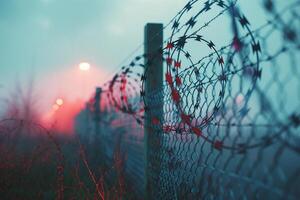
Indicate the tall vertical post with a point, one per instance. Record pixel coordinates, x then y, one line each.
97 144
153 41
97 110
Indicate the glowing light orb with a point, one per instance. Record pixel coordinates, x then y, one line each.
59 102
84 66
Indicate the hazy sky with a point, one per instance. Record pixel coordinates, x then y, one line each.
48 35
46 39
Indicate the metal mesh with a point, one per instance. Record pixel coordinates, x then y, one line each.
230 123
250 147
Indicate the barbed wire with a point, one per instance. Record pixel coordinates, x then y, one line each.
230 106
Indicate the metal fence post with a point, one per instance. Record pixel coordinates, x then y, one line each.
153 41
97 110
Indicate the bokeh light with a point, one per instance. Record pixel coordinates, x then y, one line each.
59 101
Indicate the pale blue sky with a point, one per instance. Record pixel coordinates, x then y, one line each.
48 38
43 37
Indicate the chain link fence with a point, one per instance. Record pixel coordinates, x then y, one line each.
230 122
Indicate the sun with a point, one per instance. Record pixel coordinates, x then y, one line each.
84 66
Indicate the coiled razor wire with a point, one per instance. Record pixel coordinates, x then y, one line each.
231 107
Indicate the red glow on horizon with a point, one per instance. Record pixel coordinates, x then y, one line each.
62 102
61 118
55 107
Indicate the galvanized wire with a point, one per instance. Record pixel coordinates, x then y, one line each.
230 124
